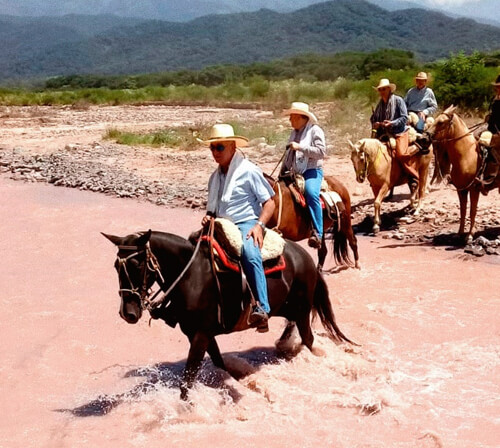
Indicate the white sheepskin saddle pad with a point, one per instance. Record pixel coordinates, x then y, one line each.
229 237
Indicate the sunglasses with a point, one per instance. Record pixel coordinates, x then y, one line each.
219 148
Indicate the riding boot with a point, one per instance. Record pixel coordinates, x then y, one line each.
314 240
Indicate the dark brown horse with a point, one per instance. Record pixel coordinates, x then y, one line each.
457 154
194 297
294 222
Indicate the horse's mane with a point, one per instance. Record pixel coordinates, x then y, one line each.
371 146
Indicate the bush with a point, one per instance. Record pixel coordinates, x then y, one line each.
464 81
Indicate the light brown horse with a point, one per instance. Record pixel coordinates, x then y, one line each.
294 222
458 156
372 160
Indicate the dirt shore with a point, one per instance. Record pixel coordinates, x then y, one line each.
426 373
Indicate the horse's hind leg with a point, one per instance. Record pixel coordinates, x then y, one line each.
199 345
322 251
462 196
305 332
215 356
474 199
287 332
353 242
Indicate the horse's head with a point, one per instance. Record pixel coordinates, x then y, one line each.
359 160
135 274
442 125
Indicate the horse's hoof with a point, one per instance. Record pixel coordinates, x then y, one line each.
376 229
357 265
318 352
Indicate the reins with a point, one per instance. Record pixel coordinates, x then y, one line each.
151 264
454 139
158 301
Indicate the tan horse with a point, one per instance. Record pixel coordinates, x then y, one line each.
372 160
294 222
458 155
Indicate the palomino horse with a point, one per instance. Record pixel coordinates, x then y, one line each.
371 159
206 306
458 156
294 222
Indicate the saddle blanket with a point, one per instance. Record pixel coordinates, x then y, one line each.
229 237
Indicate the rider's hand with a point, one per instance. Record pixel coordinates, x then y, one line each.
386 124
294 146
205 221
421 115
257 233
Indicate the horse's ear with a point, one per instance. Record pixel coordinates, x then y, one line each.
450 110
351 144
116 240
143 239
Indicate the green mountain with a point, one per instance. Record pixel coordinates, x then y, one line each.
54 47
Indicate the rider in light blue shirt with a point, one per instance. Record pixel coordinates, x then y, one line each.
238 191
421 100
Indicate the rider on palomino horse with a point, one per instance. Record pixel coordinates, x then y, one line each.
421 100
305 153
490 140
390 119
238 191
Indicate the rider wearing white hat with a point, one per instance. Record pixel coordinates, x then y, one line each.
306 150
238 191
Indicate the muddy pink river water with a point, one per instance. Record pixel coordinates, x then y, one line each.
427 373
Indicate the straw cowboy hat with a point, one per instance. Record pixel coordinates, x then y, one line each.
497 81
384 82
301 109
224 133
422 75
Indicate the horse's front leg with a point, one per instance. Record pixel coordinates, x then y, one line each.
462 197
199 345
379 197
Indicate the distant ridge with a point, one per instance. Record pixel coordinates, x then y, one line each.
85 44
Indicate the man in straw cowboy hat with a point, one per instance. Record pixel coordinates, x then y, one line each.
390 118
238 191
306 150
421 100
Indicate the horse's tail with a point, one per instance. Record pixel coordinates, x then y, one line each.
339 239
323 308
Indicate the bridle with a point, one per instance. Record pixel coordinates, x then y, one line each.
150 265
365 172
450 124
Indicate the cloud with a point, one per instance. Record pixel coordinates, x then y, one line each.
451 2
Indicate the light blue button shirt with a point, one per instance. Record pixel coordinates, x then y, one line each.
421 100
250 191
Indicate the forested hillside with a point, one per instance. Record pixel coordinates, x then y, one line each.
45 48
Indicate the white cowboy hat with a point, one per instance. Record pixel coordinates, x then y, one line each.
422 75
301 109
497 81
224 133
384 82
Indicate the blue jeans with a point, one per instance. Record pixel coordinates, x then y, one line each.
313 178
420 125
251 260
